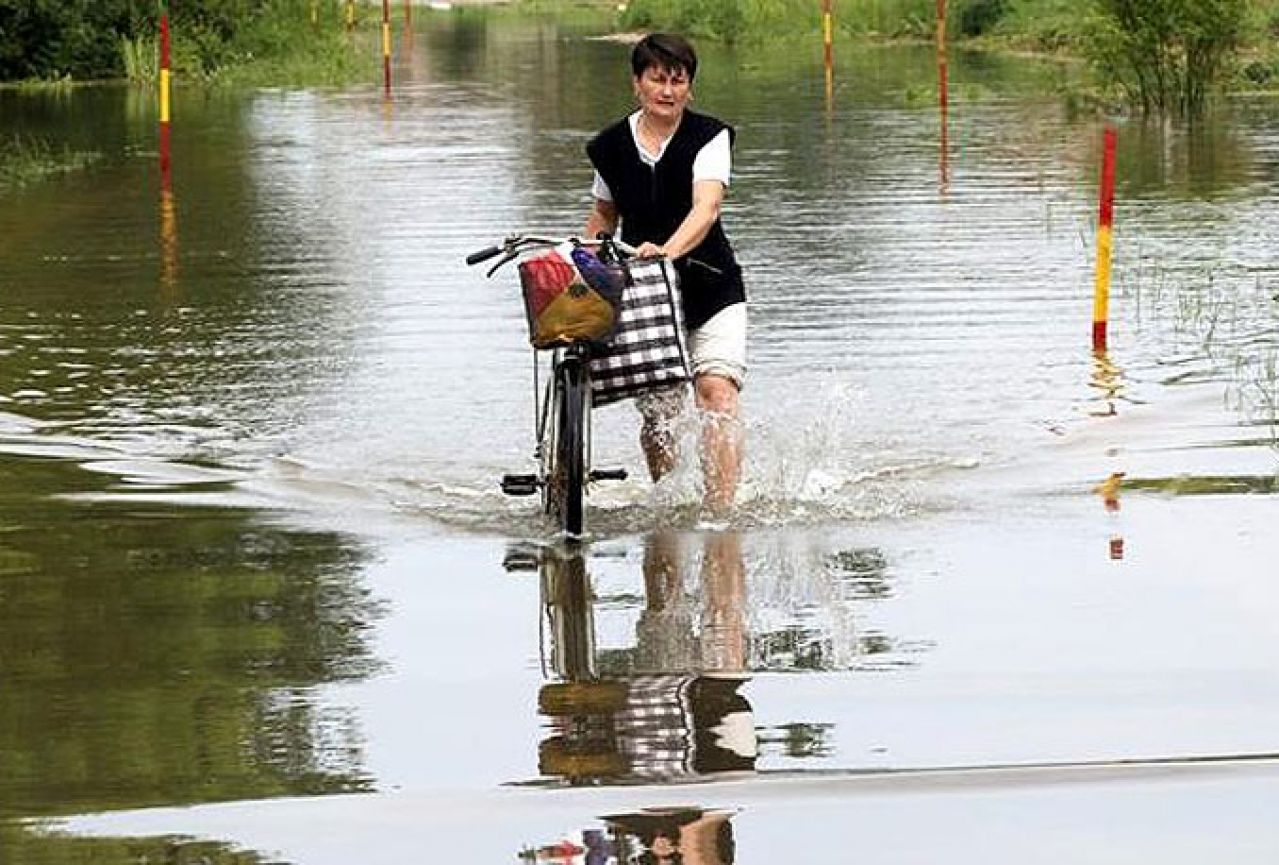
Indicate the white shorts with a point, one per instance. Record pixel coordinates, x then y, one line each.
718 347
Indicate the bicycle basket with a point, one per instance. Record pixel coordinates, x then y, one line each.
570 295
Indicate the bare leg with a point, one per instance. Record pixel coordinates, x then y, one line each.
721 441
658 443
664 640
724 608
662 578
658 413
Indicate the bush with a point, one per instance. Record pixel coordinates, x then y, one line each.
53 39
1165 55
980 16
57 38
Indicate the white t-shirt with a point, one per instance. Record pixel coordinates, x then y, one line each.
713 162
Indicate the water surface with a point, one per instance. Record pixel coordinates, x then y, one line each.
251 544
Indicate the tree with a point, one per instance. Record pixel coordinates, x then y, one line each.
55 38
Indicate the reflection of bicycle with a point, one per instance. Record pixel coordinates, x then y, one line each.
613 716
580 297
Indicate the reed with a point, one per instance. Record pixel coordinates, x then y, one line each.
139 56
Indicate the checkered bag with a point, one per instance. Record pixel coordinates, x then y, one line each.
648 348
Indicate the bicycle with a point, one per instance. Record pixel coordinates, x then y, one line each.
562 428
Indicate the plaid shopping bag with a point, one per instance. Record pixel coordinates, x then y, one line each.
648 348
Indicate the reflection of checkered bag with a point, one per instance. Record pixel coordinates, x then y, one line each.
647 350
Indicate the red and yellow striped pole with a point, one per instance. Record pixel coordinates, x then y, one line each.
165 83
1101 295
386 47
943 95
168 214
168 241
943 77
828 49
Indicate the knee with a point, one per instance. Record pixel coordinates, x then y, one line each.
717 394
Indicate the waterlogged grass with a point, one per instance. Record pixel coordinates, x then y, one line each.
141 58
1219 327
757 21
287 43
329 61
580 16
26 159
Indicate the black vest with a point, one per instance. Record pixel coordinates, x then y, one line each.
652 202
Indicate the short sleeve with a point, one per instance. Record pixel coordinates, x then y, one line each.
600 189
715 160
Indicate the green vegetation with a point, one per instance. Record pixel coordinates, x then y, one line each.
55 38
26 159
181 672
214 41
1162 56
34 845
279 42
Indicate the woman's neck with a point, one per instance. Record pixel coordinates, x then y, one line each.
660 128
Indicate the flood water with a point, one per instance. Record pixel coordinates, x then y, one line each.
261 599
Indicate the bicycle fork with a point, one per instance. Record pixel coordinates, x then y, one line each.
569 369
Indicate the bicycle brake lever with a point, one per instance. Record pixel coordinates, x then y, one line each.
506 259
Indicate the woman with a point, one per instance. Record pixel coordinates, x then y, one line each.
661 172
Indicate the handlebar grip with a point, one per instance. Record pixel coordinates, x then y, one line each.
483 255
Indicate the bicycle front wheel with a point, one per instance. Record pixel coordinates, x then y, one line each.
565 481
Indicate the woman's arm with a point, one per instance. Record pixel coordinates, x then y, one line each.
708 196
603 217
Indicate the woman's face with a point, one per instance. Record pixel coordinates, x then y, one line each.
663 93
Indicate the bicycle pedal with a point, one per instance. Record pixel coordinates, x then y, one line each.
519 485
608 474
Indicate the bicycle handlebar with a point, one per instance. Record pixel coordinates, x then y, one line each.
483 255
511 247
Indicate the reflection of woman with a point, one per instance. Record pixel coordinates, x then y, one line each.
677 710
661 172
665 642
684 714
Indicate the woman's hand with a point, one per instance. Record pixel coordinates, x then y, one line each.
649 250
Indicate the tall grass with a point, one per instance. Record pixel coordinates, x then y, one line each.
760 20
274 42
140 56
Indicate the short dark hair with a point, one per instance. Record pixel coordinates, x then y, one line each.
665 51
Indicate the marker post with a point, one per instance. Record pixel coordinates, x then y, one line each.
1101 293
386 48
828 47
